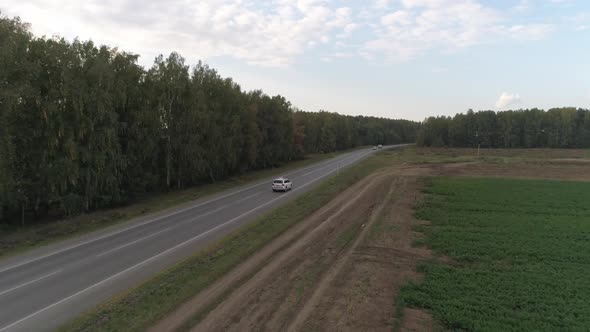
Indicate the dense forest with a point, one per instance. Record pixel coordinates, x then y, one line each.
532 128
84 127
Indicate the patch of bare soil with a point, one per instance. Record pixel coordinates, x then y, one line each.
322 223
280 290
324 285
416 320
362 296
343 273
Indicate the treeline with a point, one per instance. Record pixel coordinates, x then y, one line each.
85 127
531 128
317 132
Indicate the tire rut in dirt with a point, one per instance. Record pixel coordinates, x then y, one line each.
274 296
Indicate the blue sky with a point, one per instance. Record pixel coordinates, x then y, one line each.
397 58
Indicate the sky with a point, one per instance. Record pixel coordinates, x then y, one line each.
405 59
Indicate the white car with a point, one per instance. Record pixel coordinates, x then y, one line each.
282 184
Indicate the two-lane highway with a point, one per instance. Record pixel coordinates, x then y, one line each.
44 288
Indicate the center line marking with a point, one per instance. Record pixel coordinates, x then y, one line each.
28 283
130 243
165 229
245 198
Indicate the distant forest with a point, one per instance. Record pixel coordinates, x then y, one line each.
531 128
84 127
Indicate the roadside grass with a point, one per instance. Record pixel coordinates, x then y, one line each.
418 155
18 239
310 276
520 253
349 234
142 306
197 316
505 153
380 228
502 157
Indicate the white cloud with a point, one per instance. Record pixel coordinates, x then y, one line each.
273 33
528 32
440 70
522 6
580 21
381 4
448 25
399 17
507 99
561 2
337 55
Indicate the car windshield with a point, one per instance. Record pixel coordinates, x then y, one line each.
278 181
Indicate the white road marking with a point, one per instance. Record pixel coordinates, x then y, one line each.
319 169
315 170
133 242
245 198
218 209
28 283
158 218
173 248
197 217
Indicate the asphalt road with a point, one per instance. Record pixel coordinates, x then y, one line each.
44 288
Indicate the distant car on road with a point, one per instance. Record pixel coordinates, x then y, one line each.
375 147
379 146
282 184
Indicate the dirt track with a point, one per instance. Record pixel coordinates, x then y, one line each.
301 280
341 268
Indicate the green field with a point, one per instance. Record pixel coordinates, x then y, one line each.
519 250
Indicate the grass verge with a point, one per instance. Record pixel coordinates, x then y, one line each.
18 239
418 155
520 253
347 236
140 307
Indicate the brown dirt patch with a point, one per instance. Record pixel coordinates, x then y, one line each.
317 282
416 320
340 205
362 296
272 298
323 287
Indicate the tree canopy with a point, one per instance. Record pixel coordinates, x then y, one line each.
531 128
86 127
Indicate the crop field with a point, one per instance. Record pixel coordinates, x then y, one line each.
516 255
